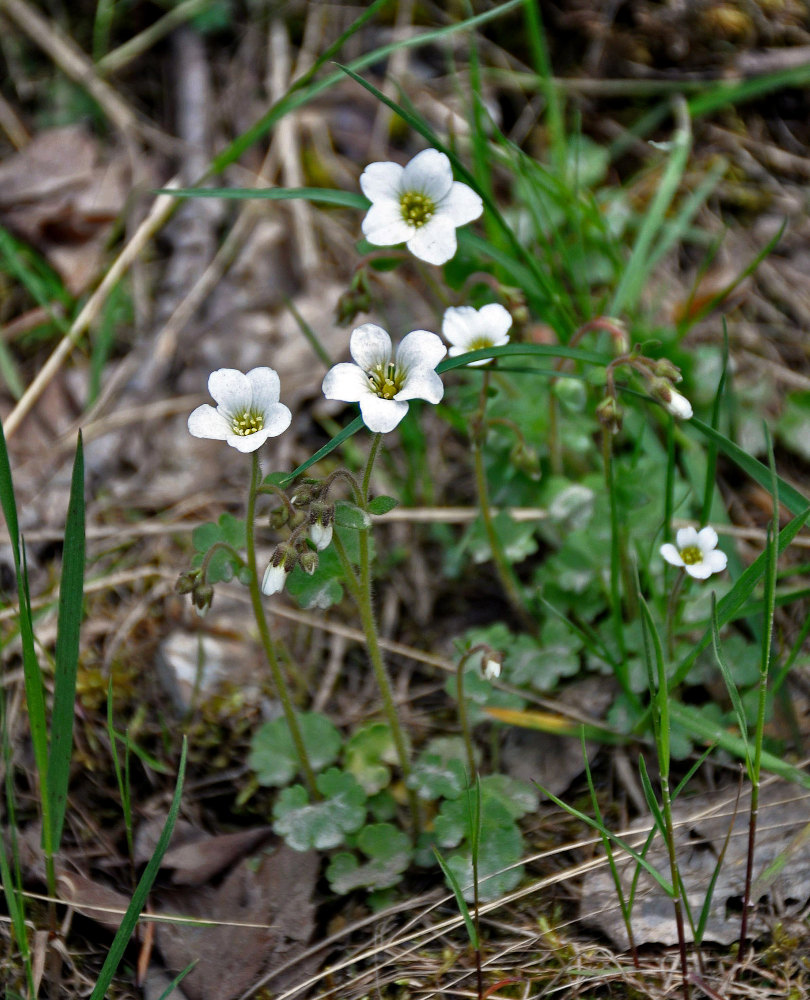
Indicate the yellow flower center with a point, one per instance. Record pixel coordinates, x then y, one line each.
479 342
385 380
416 208
691 555
247 422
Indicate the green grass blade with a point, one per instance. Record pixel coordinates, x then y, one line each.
795 502
711 453
703 728
638 267
461 902
731 687
71 597
305 89
737 91
130 918
121 779
602 829
649 795
542 64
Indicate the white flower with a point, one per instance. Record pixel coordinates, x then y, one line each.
419 205
321 535
492 669
274 579
678 405
696 552
248 411
468 329
383 383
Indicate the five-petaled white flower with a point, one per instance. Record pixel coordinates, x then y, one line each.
468 329
696 552
419 205
381 382
248 411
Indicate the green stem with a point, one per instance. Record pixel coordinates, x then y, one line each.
365 606
462 712
672 610
506 575
264 634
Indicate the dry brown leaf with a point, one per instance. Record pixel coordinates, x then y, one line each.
58 195
276 894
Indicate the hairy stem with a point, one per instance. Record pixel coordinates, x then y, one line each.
264 634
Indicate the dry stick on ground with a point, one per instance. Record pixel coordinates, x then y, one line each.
75 64
162 208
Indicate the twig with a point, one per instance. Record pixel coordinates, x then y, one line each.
162 208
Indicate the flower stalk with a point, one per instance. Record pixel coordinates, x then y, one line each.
257 604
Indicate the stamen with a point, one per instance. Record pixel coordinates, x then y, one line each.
247 422
691 555
416 208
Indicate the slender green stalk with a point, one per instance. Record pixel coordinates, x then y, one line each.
463 718
506 575
672 611
365 606
264 634
762 696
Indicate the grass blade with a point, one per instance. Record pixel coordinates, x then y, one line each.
130 918
71 596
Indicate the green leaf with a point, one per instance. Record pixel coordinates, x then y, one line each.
223 564
273 756
320 825
323 588
71 595
367 752
440 769
382 504
517 797
347 515
793 427
389 852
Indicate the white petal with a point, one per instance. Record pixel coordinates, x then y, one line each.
706 539
495 321
420 349
462 204
716 561
381 180
429 172
435 242
265 386
671 554
273 579
679 406
457 326
321 535
230 388
206 422
700 571
422 383
381 415
370 345
277 419
384 226
492 669
246 443
687 538
347 382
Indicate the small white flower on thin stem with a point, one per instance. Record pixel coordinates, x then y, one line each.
697 552
248 411
382 382
468 329
419 205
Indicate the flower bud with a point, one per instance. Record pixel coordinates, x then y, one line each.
279 517
308 561
186 582
491 663
609 414
678 405
664 368
321 518
203 597
281 563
